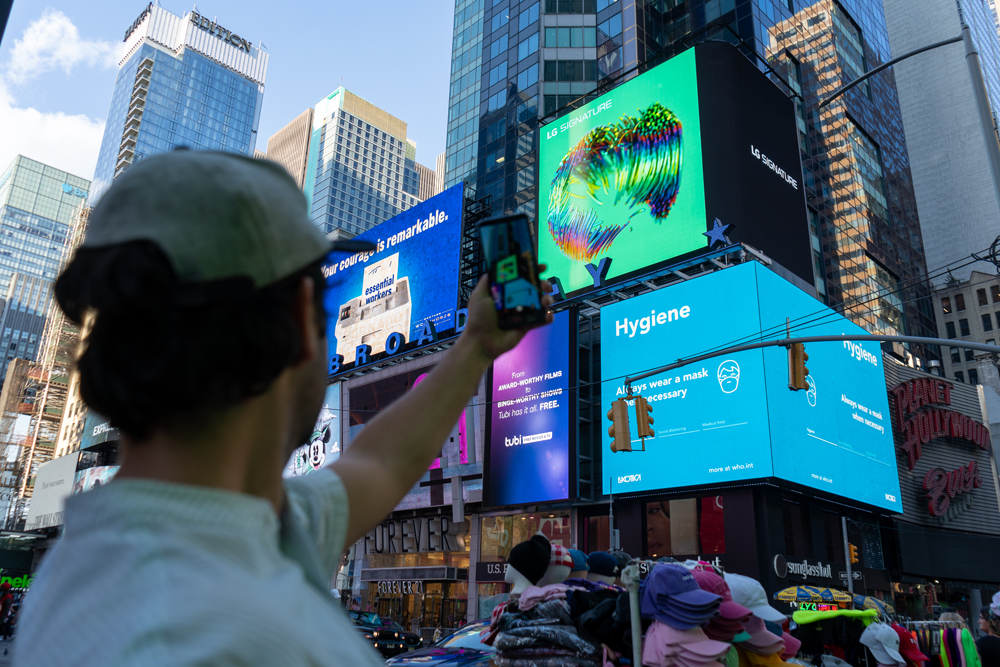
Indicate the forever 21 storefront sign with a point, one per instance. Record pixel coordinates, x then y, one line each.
400 587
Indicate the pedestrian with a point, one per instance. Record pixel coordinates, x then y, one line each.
201 283
6 607
437 635
988 644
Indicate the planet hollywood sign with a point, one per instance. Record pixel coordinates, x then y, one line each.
918 425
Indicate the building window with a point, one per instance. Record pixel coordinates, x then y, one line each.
959 302
834 534
987 322
956 355
500 20
498 47
973 376
528 77
969 355
528 16
963 326
950 327
981 295
527 47
995 293
946 305
959 376
612 27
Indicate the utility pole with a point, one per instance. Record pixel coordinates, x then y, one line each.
847 559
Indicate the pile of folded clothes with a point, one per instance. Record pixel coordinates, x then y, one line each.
537 630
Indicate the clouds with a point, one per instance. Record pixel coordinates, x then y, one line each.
64 140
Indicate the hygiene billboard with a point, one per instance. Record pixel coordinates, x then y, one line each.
531 434
381 301
732 418
668 166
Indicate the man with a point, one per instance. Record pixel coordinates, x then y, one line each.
202 274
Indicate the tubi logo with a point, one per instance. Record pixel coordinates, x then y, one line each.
625 479
512 442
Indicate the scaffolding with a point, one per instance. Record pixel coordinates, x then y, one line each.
38 390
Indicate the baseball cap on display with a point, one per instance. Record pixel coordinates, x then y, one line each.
762 640
561 556
749 593
908 646
666 645
216 216
604 564
885 648
792 646
671 595
580 561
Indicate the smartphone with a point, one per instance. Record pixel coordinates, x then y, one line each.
509 251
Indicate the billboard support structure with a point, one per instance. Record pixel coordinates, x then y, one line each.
785 342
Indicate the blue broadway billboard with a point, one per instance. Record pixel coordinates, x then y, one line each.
733 418
379 301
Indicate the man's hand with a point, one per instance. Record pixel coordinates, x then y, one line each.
483 330
393 451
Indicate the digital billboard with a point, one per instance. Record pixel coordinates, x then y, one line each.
53 484
639 176
97 429
366 401
323 447
531 426
733 418
378 302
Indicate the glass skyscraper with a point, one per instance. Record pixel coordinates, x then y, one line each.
37 204
182 81
520 62
360 168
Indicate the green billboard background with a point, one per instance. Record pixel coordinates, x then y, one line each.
631 173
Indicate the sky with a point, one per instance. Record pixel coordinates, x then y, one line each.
59 62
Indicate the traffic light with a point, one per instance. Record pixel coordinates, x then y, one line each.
797 370
854 553
642 418
618 414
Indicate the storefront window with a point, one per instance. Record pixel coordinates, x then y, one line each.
688 527
501 533
795 528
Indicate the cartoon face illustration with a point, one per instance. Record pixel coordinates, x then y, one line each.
729 376
811 394
317 447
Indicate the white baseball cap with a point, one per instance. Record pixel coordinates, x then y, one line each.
749 593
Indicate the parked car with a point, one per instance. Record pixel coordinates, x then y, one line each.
387 636
461 648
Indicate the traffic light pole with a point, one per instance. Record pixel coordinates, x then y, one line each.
785 342
847 559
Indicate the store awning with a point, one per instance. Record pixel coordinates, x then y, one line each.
429 573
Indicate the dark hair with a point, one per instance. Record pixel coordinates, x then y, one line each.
158 352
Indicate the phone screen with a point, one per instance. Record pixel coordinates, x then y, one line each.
509 251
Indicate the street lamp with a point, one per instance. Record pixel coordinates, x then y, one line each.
978 87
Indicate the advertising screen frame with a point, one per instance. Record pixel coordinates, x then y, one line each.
573 468
773 446
395 232
749 155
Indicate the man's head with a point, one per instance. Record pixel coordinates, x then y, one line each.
199 284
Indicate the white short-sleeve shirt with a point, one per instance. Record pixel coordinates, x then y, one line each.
160 575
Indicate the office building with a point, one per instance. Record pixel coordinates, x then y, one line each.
37 203
23 319
289 146
952 176
360 168
516 63
182 81
967 310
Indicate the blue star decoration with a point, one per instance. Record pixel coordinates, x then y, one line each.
717 234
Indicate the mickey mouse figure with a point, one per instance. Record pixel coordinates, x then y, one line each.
317 447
